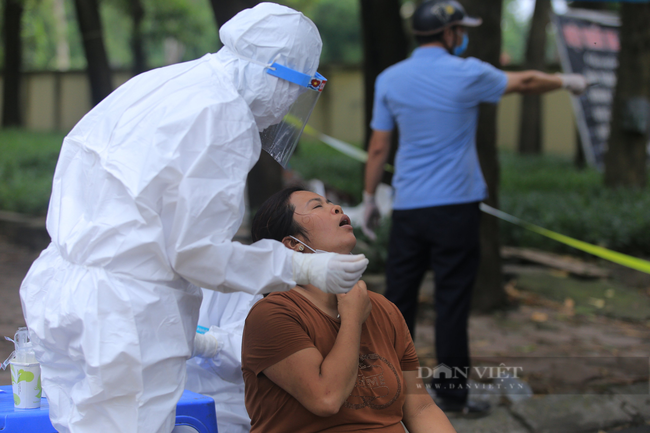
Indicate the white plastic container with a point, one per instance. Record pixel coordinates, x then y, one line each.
25 373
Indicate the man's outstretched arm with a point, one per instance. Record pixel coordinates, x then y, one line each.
536 82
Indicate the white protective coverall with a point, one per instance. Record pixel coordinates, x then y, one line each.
220 377
148 193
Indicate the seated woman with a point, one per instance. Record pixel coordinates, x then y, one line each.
318 362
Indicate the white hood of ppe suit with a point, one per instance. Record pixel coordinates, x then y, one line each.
148 193
268 97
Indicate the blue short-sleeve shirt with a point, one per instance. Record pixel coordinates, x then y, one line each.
433 98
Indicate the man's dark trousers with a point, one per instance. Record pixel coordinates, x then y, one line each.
445 239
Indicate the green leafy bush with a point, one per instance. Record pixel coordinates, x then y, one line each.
552 193
316 160
27 162
377 251
547 191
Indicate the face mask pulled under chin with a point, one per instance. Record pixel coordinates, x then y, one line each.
313 250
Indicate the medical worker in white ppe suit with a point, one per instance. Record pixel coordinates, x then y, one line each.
147 195
216 368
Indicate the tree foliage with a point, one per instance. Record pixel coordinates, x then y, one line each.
189 22
514 31
38 46
339 24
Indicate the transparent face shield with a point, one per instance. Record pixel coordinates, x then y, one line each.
280 140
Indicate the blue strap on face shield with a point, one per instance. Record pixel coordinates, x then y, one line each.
317 82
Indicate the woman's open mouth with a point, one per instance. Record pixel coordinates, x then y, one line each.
345 221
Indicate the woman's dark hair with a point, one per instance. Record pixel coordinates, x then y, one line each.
274 219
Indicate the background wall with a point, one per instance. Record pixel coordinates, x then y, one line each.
57 100
559 133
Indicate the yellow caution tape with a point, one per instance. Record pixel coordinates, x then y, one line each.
343 147
604 253
620 258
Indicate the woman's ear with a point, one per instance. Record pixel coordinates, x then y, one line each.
293 244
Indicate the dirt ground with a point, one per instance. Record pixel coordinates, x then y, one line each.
560 351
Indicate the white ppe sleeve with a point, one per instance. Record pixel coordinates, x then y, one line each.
227 361
224 315
205 346
228 267
207 208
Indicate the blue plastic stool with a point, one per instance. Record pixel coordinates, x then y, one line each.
194 410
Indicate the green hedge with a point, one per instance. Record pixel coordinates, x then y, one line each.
552 193
316 160
27 162
547 191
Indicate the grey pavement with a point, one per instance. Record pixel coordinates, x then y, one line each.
622 411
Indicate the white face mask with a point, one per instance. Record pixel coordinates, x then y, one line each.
313 250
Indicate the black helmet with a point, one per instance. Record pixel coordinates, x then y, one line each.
432 16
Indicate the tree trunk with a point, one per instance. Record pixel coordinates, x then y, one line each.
530 130
485 44
61 35
265 178
579 159
626 158
226 9
13 11
384 44
99 71
137 42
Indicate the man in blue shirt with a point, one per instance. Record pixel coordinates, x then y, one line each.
433 98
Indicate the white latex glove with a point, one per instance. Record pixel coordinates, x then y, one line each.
370 216
205 346
574 83
330 272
